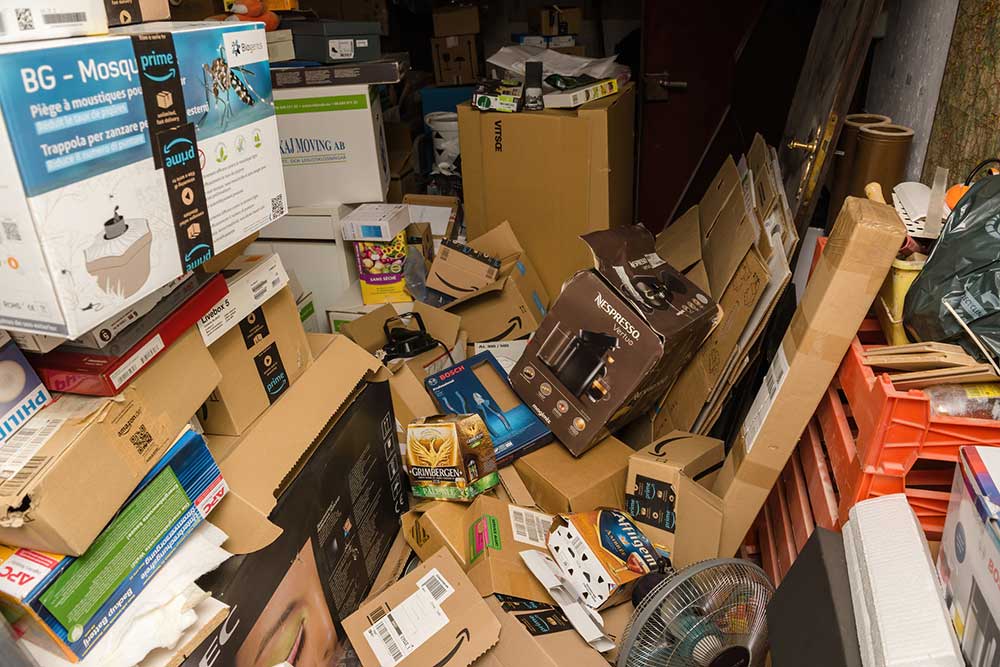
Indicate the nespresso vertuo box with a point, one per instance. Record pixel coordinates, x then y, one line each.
615 339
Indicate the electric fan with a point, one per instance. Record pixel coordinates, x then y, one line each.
710 614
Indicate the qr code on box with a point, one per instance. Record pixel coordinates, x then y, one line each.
25 19
277 206
141 440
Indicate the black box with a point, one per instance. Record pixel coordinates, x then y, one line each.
339 517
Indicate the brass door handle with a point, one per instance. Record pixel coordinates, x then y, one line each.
795 144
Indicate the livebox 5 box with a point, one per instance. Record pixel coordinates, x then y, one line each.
260 359
614 340
120 166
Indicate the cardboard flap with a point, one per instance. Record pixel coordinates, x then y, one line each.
515 488
368 330
694 455
726 181
256 465
680 243
248 529
501 243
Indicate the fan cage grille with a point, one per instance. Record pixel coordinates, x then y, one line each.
695 614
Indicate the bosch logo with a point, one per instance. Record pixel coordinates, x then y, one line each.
452 372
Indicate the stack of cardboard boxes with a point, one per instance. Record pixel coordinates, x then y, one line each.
455 45
555 27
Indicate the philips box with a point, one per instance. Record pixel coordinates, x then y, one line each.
22 393
126 161
76 600
969 558
333 145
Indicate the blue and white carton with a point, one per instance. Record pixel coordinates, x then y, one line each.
22 393
127 160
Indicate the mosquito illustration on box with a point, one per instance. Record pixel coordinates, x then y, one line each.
221 82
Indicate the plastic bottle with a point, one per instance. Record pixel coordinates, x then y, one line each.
979 401
533 86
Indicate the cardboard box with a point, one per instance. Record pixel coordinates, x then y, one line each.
252 280
479 385
614 341
77 600
561 483
375 222
455 20
863 242
85 455
349 306
486 538
514 304
432 614
123 12
409 398
310 245
556 20
107 372
313 519
456 60
738 281
390 69
969 551
574 97
397 564
420 238
336 41
333 146
53 20
280 46
541 635
450 457
260 360
460 270
442 212
667 493
403 178
22 393
578 178
103 244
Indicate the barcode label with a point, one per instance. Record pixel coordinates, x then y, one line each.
436 585
64 18
24 475
137 361
377 615
758 412
406 628
277 207
258 289
18 453
530 527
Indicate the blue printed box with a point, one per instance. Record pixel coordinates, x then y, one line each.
66 604
126 161
22 394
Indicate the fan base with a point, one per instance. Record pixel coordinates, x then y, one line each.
734 656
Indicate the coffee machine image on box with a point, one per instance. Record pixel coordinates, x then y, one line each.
580 361
119 256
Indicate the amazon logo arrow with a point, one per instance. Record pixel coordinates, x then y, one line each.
666 441
515 324
462 636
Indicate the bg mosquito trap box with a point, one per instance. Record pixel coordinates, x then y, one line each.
127 160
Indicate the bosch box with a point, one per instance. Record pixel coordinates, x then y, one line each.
126 161
479 385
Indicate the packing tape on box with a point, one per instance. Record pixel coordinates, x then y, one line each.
826 346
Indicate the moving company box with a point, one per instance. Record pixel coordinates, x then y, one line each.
614 341
578 177
843 285
259 359
486 538
105 208
312 520
561 483
77 600
433 616
84 456
667 493
22 393
333 144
